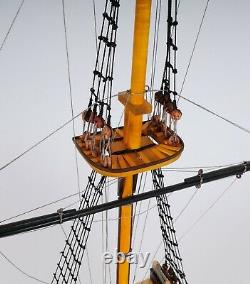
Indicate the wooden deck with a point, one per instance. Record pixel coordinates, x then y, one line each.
152 154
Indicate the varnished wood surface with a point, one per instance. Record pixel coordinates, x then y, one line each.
152 154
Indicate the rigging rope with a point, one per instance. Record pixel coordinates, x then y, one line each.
142 235
138 187
189 230
21 270
69 121
105 235
89 268
165 113
72 255
195 223
49 204
103 243
173 260
193 50
202 167
212 112
70 94
186 206
168 85
217 115
103 72
98 117
68 65
175 220
107 190
207 210
36 144
64 233
111 182
105 42
68 267
95 24
70 261
155 44
11 25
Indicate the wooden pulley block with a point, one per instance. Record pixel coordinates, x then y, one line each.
92 117
107 131
166 99
167 132
99 121
160 147
86 115
156 119
161 126
169 106
159 97
173 140
176 114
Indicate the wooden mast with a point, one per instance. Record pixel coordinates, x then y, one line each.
133 127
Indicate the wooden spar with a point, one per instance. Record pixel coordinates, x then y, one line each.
133 127
44 221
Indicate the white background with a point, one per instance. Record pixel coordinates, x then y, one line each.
34 99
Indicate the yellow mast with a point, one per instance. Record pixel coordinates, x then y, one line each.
133 126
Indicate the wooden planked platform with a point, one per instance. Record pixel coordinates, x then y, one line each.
152 154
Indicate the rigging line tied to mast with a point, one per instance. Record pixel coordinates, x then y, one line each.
71 257
112 182
174 221
183 235
101 90
36 144
94 118
237 125
53 132
99 117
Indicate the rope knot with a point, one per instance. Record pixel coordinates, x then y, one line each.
60 213
200 174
